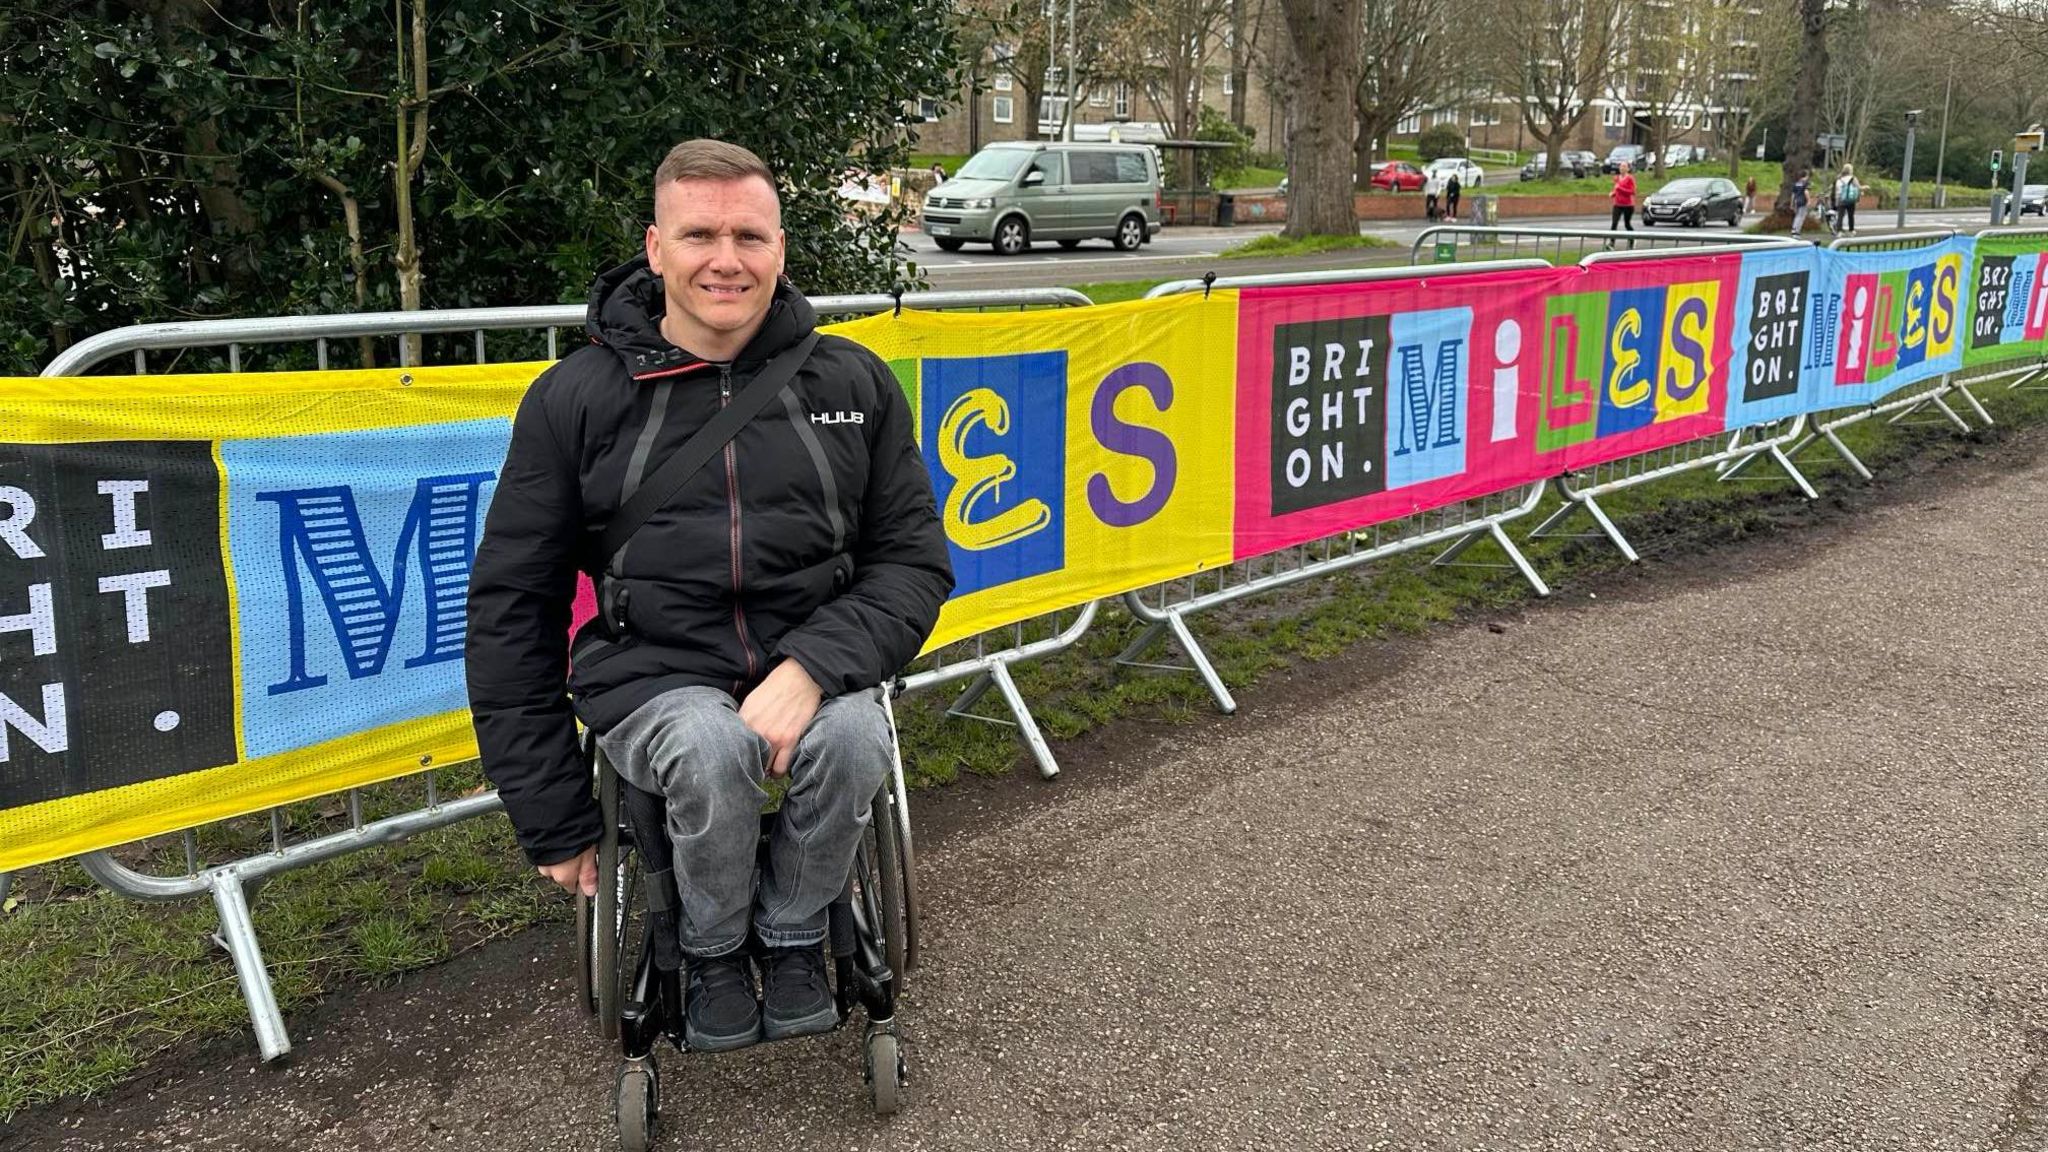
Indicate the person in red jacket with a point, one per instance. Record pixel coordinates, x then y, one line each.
1624 198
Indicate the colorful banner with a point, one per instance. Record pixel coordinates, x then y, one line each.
223 593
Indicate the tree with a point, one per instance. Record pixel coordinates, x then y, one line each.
1405 62
184 159
1806 90
1558 56
1322 41
1747 62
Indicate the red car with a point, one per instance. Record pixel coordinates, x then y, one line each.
1397 176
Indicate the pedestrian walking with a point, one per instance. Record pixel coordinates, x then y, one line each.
1432 188
1623 196
1749 197
1848 190
1451 190
1800 203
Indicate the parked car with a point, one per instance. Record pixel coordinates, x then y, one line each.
2034 199
1693 201
1397 176
1578 163
1469 174
1630 154
1678 154
1009 194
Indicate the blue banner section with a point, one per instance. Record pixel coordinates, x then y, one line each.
351 556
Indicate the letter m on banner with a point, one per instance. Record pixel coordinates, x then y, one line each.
321 532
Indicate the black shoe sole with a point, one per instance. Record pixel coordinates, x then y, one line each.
823 1020
699 1042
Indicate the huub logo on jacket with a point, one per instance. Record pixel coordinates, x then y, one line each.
839 417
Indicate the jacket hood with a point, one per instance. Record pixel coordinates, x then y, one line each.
627 305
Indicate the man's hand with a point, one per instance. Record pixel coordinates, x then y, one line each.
780 709
577 873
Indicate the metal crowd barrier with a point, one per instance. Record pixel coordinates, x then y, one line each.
1828 426
1900 407
1164 608
1561 245
233 884
1727 450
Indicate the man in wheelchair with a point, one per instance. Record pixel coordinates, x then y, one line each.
749 499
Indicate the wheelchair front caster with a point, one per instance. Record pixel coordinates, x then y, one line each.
636 1104
885 1071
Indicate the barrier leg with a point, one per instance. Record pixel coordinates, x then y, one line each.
1563 512
1842 450
976 689
1499 535
1521 562
1152 632
1793 471
1225 702
238 936
2024 380
1607 526
1026 725
1975 404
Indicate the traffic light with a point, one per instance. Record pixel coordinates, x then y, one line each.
1997 159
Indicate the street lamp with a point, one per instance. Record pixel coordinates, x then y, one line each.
1906 173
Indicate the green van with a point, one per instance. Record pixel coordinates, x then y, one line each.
1010 194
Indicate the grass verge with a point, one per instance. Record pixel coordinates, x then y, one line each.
1277 245
95 985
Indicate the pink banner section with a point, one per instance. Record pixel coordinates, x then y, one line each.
1361 403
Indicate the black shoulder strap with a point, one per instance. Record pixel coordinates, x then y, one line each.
698 450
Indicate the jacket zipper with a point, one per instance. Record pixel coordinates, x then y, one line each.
732 497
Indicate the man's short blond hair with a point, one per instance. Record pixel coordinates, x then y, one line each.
711 160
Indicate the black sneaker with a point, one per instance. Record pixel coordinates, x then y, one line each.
797 1002
723 1014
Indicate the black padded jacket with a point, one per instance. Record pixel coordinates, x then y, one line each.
813 538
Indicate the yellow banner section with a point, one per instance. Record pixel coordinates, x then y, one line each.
1074 454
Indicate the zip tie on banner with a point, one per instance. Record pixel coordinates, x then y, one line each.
1208 279
896 290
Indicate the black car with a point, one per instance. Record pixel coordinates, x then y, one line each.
2034 200
1693 202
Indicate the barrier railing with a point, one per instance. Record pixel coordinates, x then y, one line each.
233 884
1442 244
1728 451
1164 608
1828 426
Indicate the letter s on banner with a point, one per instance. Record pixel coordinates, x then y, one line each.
1135 440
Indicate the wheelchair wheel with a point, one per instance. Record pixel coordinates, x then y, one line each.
615 918
636 1104
878 885
907 864
586 953
884 1065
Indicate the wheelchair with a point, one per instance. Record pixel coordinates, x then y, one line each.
629 959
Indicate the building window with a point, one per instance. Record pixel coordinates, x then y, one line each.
1098 99
1612 116
1005 109
1122 111
1408 126
1052 114
1002 82
928 107
1227 89
1485 117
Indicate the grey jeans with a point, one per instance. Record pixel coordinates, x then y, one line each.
690 746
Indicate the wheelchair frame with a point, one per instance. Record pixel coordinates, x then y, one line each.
638 997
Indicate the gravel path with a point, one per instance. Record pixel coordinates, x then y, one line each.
1746 853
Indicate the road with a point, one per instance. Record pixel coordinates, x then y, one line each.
1191 251
1741 849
